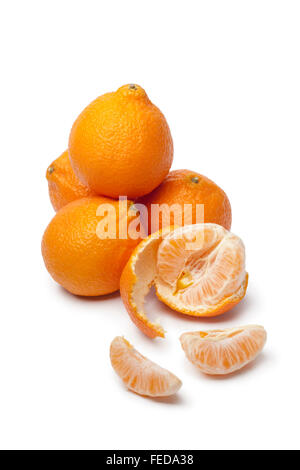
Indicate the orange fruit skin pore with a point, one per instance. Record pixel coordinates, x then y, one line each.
76 257
63 184
121 144
188 187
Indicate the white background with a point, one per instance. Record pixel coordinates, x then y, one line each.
226 74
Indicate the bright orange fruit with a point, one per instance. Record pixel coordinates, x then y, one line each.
201 270
136 281
198 270
121 144
219 352
182 187
139 374
76 252
64 186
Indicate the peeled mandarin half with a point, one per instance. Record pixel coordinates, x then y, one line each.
220 352
197 270
139 374
201 270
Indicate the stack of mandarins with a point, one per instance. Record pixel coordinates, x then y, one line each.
116 228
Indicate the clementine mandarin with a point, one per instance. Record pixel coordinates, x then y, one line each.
87 244
186 187
197 270
64 186
121 144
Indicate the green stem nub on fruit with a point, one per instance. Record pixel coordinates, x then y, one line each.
195 179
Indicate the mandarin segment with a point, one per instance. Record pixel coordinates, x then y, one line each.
139 374
220 352
121 144
201 270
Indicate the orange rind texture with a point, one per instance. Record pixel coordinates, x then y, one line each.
121 144
136 281
186 188
63 184
75 253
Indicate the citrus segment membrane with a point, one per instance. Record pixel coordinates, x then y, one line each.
197 270
139 374
200 268
219 352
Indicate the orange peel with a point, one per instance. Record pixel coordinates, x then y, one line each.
137 279
197 270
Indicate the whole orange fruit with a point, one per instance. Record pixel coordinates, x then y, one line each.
186 187
87 244
121 144
63 184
